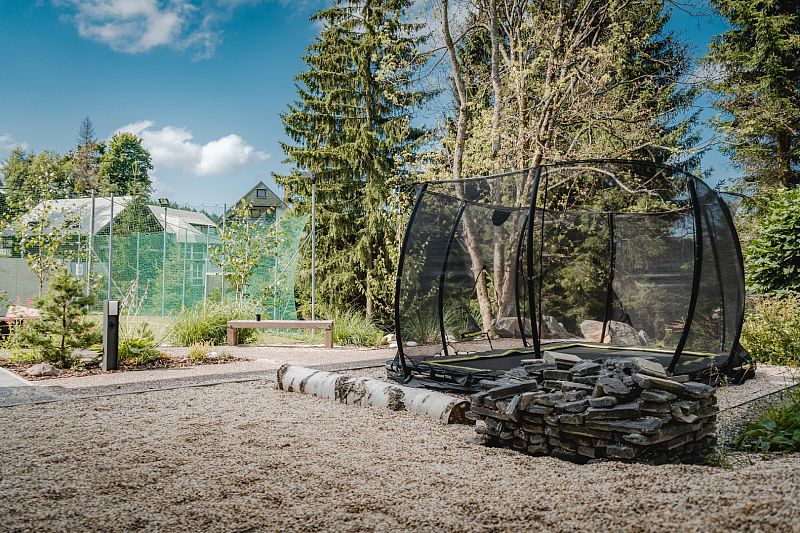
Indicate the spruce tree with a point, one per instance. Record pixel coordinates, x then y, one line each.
351 129
759 90
63 326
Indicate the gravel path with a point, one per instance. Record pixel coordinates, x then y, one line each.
244 457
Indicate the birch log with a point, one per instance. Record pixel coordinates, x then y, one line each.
371 392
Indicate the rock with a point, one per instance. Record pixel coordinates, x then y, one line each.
553 329
560 375
575 419
591 331
43 369
570 386
622 334
603 401
651 382
411 344
643 339
392 345
698 390
571 407
654 395
586 368
620 451
623 410
388 338
566 359
646 425
611 385
508 327
649 368
499 393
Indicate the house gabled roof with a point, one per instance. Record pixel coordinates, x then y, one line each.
78 211
272 199
187 226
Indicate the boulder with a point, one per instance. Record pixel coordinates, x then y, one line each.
43 369
553 329
592 329
622 334
508 327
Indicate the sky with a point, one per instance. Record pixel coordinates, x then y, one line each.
202 82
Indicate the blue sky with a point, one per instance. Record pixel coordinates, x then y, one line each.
201 81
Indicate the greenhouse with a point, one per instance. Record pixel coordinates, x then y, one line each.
586 259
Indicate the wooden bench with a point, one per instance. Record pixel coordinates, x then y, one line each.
235 325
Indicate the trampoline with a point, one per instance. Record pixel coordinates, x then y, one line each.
595 259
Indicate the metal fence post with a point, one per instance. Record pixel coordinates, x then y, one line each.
164 267
205 271
183 288
224 218
110 248
91 249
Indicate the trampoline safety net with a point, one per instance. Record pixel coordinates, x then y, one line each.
595 258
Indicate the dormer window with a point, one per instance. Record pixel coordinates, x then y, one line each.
261 193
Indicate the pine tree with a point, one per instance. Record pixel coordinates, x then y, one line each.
62 327
759 61
86 159
352 131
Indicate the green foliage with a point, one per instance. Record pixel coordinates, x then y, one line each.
759 63
778 428
771 331
198 353
198 326
140 349
352 129
773 255
22 356
352 328
125 166
62 327
245 243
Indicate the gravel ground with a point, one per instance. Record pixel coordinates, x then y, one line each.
244 457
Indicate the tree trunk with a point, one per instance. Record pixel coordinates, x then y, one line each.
366 392
470 237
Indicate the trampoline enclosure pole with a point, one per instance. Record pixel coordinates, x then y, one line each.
529 256
698 265
443 273
399 276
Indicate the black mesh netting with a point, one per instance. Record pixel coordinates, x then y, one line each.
595 258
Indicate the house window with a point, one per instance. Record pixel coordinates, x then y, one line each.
261 193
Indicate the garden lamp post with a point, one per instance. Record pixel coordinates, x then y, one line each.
164 202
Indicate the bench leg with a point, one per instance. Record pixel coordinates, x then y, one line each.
329 338
233 336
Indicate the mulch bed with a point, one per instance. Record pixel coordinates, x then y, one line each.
166 362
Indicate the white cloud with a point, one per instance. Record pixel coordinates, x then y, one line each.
7 142
135 26
174 148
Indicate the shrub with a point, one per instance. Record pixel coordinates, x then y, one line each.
198 353
351 328
62 327
22 356
210 326
139 349
778 429
771 331
773 255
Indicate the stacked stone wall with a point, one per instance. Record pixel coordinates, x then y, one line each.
626 409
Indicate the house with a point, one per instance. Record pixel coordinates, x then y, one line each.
265 203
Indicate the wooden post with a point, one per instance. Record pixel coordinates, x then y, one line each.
233 336
329 337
